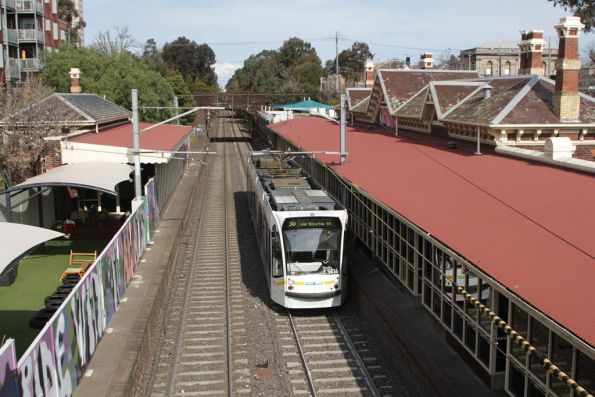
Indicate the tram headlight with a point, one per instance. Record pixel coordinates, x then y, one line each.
336 286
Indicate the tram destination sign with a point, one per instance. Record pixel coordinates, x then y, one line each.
312 223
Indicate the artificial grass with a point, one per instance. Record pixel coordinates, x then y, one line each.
37 277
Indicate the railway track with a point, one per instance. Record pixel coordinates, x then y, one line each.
204 350
325 356
201 352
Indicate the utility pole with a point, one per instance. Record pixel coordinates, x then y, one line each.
136 140
338 77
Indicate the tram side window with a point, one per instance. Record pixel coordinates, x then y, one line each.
277 261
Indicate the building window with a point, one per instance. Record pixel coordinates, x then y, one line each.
48 25
55 31
507 69
489 67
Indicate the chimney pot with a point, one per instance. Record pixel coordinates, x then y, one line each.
75 84
566 100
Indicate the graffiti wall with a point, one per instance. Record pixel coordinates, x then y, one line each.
151 209
57 359
9 385
385 119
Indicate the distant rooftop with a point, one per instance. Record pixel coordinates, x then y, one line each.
303 106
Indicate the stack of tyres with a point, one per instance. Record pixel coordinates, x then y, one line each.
54 301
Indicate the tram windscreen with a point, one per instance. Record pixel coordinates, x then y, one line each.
312 245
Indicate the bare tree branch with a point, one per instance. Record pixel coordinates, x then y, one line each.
114 43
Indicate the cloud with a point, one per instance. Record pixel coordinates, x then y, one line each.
225 70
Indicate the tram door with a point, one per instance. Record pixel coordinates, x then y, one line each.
276 271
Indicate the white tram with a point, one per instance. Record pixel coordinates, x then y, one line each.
300 231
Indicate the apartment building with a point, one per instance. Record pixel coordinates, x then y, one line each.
27 28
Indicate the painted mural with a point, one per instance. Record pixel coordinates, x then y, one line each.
151 209
385 119
57 359
9 385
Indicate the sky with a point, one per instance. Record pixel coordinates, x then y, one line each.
235 29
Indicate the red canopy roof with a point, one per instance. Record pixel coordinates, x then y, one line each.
529 226
165 137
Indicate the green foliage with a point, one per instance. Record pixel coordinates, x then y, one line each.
67 12
195 62
293 68
352 62
585 9
109 76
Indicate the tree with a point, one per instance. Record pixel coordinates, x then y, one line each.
352 62
192 60
293 68
585 9
68 12
23 128
152 56
450 63
109 76
114 43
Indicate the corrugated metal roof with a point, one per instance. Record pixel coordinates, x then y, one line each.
527 225
165 137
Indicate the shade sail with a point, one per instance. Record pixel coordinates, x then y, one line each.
17 239
97 175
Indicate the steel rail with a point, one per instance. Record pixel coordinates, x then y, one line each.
307 369
356 356
226 175
174 367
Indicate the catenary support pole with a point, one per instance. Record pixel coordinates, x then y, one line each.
343 129
478 151
136 142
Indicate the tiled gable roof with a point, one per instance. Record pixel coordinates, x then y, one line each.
521 100
414 107
476 109
356 95
99 109
401 84
447 96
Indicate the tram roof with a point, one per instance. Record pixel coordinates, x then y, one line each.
527 225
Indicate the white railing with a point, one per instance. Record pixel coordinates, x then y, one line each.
13 69
9 4
29 6
30 65
29 35
11 37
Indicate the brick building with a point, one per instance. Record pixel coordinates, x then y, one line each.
505 58
27 28
520 111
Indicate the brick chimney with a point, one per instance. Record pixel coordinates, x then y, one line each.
75 84
566 101
369 73
531 46
427 62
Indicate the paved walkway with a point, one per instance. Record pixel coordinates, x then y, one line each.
112 363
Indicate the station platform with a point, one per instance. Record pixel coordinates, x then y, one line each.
387 306
109 370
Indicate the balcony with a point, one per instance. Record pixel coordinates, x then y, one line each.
30 35
30 65
9 4
11 36
28 6
13 71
